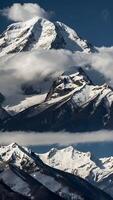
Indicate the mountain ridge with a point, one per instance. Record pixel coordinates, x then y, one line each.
40 33
66 185
71 101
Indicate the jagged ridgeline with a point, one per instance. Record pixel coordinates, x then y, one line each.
25 173
39 33
73 103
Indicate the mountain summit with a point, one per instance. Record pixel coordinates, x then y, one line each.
40 33
26 173
73 103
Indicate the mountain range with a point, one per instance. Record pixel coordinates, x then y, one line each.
72 102
25 172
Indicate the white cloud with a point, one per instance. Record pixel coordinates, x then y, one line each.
101 62
60 138
23 12
37 65
18 68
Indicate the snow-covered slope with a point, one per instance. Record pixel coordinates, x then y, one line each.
14 154
26 102
39 33
68 159
71 101
39 178
97 171
83 164
81 90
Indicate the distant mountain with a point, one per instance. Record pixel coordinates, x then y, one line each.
39 33
73 103
24 172
97 171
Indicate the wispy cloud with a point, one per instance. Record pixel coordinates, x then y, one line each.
60 138
38 65
29 66
23 12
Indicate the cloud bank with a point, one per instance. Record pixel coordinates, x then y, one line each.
23 12
37 65
60 138
30 66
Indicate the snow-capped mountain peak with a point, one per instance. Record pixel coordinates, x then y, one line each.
37 173
71 38
79 164
97 171
40 33
71 101
81 88
71 160
15 154
67 159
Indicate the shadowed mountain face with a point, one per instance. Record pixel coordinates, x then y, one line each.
7 194
42 193
73 103
25 173
4 115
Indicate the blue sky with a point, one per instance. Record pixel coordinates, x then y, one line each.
92 19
